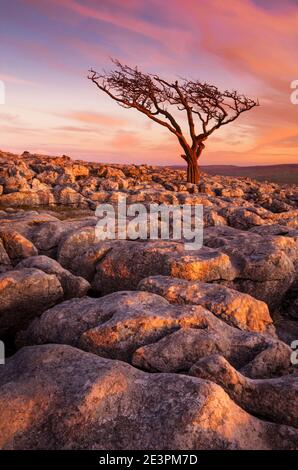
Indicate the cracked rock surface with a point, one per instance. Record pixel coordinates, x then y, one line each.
58 397
144 344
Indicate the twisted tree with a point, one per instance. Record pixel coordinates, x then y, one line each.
153 96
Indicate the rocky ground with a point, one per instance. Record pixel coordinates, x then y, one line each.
142 344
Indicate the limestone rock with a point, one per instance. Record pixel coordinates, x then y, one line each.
266 265
254 354
17 247
127 262
25 293
156 335
73 286
235 308
57 397
27 199
275 399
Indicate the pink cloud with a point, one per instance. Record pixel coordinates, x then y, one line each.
241 42
126 18
249 38
126 141
18 80
96 118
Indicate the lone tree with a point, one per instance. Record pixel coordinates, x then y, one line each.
203 104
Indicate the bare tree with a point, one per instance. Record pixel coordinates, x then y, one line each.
203 104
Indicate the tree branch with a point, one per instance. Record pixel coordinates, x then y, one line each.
151 95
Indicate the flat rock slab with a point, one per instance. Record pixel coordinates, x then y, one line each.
126 263
235 308
266 264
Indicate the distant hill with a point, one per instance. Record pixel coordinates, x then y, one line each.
283 174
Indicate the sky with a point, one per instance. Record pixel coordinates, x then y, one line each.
48 46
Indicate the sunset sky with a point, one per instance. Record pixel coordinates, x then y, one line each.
47 47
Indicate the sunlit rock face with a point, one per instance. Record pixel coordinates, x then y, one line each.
275 398
235 308
145 329
58 397
16 245
144 344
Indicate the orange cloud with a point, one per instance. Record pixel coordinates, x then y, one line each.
277 135
126 141
96 118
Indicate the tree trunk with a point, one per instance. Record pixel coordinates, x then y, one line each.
193 172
